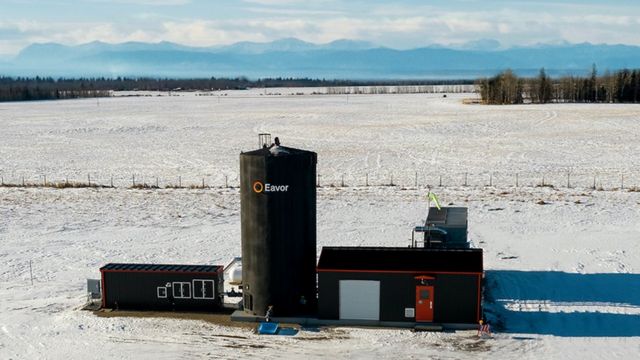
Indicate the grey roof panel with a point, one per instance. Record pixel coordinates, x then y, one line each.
450 216
161 267
437 216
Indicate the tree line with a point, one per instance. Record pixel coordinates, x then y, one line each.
38 88
622 86
48 88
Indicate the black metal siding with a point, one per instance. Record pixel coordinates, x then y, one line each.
456 296
329 294
456 299
138 290
278 232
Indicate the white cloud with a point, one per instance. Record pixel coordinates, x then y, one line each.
275 2
294 12
393 26
70 33
146 2
206 33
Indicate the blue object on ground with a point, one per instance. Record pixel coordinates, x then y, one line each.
268 328
287 331
310 328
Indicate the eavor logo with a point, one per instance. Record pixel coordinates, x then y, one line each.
259 187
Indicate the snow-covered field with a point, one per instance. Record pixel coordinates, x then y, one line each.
195 137
563 277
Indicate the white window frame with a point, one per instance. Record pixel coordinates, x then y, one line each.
165 292
213 288
178 284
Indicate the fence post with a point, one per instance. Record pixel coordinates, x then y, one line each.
133 180
366 181
111 182
517 180
45 179
157 182
465 179
569 179
440 181
89 179
622 182
391 182
226 181
22 180
342 182
31 272
490 179
203 182
594 182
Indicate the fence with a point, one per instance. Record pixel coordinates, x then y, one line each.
600 180
401 89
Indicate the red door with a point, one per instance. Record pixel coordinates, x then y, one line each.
424 303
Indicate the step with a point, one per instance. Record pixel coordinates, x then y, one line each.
428 327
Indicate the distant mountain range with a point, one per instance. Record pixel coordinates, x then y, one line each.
341 59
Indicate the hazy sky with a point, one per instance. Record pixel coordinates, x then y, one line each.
397 24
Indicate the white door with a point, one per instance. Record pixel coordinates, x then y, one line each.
359 300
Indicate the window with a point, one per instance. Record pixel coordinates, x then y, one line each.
203 289
162 292
182 290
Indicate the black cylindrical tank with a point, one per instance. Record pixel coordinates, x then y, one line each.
278 215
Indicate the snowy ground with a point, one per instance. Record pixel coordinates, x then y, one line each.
193 137
564 277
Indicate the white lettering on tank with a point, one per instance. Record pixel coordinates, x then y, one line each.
275 188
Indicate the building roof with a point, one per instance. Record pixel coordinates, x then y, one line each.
162 268
449 216
401 259
277 151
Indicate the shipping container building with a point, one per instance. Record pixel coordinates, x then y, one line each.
162 287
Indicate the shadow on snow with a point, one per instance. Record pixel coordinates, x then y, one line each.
563 304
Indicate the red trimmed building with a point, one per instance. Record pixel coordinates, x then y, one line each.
399 285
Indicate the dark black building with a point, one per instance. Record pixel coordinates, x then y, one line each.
421 285
444 227
162 287
278 230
